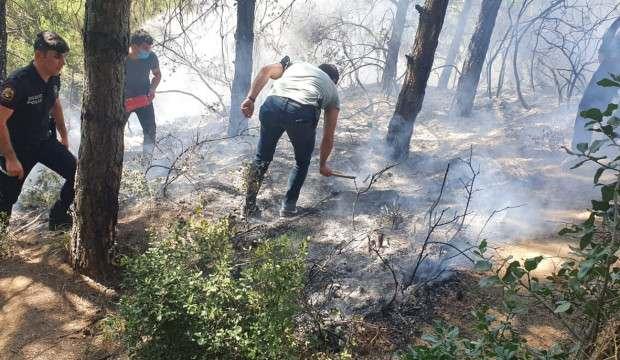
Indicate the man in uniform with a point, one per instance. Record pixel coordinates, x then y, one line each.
596 96
140 63
300 92
27 99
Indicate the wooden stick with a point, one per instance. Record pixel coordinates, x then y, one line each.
343 176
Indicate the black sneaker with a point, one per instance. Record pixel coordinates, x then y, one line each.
288 210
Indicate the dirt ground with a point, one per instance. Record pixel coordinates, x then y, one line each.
49 312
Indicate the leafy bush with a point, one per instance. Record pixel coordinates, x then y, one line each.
187 298
134 185
584 294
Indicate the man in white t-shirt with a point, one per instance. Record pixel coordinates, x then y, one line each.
300 92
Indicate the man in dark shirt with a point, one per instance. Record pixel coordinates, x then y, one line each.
27 99
140 63
596 96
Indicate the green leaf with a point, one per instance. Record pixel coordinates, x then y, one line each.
598 174
586 239
600 205
482 266
532 263
562 307
483 246
568 230
514 272
610 109
594 114
590 222
584 268
596 145
583 147
607 192
608 83
613 121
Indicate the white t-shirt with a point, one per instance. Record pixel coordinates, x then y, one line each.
308 85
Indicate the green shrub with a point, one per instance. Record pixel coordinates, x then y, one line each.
187 298
584 294
134 185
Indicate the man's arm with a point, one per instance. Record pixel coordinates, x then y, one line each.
327 144
154 82
274 72
59 120
13 166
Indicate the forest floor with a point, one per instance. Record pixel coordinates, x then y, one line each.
523 195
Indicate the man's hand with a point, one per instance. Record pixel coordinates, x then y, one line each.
247 107
65 141
151 94
14 168
326 171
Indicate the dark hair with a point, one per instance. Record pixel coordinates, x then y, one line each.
49 40
332 71
141 37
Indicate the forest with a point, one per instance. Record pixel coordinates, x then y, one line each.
448 186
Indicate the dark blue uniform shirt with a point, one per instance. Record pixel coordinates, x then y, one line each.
31 99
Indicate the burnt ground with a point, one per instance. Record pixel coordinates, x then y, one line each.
53 313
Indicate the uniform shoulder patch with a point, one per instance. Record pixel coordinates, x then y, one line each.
8 93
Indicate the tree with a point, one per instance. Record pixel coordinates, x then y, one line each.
244 45
419 65
455 46
388 79
476 52
100 160
3 39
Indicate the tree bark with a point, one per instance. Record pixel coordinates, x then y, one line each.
477 50
455 46
100 160
388 79
244 45
3 39
419 65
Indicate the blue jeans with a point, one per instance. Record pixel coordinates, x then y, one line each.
277 115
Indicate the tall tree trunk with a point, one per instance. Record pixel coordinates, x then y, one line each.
455 46
3 39
100 161
244 45
388 79
419 65
478 47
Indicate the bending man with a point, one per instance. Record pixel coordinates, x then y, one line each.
300 92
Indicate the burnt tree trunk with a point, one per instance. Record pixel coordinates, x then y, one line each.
419 65
388 79
244 45
478 47
455 46
100 160
3 39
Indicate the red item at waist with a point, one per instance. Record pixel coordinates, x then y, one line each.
136 102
